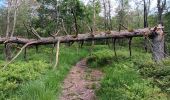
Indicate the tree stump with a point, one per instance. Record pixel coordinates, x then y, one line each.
158 52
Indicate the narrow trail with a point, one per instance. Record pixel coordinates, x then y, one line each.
81 82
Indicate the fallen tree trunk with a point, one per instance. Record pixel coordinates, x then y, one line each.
80 37
155 33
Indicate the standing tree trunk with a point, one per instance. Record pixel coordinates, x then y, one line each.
145 14
8 53
161 4
94 16
15 17
105 15
110 18
75 23
146 10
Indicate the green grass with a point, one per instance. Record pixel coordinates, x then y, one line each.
35 79
123 79
49 85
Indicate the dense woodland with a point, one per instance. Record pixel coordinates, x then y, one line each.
128 41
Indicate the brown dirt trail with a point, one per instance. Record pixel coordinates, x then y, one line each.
81 82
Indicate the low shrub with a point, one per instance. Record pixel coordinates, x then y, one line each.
123 76
123 82
160 72
17 73
100 58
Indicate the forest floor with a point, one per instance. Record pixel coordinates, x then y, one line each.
81 83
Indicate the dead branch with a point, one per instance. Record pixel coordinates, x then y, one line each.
18 54
124 27
35 33
57 53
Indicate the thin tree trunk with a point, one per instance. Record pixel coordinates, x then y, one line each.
15 17
110 19
146 22
94 16
8 19
8 53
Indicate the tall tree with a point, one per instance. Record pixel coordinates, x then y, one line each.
7 46
161 4
107 14
146 4
123 7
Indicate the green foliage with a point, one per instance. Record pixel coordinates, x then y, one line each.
63 12
36 90
100 58
34 79
167 25
49 85
123 81
159 72
20 72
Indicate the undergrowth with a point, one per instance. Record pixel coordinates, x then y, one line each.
158 72
129 78
34 79
48 86
125 78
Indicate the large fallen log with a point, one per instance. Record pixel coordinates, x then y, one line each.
155 33
80 37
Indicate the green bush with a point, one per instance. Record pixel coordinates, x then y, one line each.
122 76
19 72
100 58
21 78
160 72
123 82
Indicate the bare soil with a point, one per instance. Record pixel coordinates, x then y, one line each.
81 83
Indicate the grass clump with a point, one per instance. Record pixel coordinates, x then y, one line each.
37 90
100 58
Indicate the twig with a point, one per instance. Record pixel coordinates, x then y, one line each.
56 33
123 26
35 33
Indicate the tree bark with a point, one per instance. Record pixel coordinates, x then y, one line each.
158 49
158 45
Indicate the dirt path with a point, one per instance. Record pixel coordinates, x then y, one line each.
81 83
